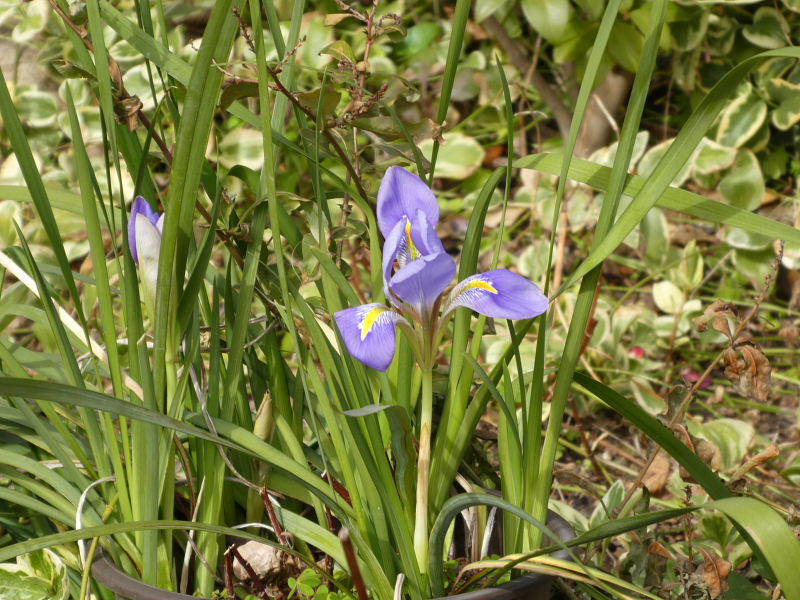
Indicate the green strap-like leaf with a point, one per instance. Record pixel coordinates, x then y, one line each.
689 203
231 436
673 160
459 26
662 436
303 528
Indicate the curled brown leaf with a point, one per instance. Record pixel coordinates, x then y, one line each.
749 369
715 573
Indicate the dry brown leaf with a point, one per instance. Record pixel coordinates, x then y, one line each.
710 454
791 334
659 549
333 19
683 435
492 154
683 233
716 316
749 369
657 475
87 266
127 111
793 279
512 214
715 573
751 463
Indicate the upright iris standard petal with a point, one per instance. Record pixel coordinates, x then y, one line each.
369 333
423 280
141 207
500 294
400 196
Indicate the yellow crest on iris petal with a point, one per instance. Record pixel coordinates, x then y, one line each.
369 318
412 249
480 284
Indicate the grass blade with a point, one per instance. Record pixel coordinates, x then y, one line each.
673 160
19 142
538 489
689 203
459 25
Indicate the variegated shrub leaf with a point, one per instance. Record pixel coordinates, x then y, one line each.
712 157
769 29
741 119
787 96
743 186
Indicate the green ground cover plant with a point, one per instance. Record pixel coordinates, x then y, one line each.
217 215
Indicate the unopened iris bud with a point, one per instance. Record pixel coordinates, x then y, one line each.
144 239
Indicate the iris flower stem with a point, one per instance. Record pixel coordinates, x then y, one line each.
423 467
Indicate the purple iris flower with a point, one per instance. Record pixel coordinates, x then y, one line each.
417 270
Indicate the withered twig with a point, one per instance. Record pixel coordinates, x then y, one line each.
585 441
278 86
338 487
244 29
273 518
122 94
739 329
332 528
116 75
670 362
229 576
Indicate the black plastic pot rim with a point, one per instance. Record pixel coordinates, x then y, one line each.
533 586
126 587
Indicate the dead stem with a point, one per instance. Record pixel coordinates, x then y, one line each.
279 87
229 576
355 571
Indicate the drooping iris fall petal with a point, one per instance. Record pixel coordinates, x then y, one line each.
500 294
141 208
400 196
369 332
423 280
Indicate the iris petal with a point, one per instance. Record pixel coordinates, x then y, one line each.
394 247
140 207
500 294
423 280
409 240
148 248
400 196
423 235
369 332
